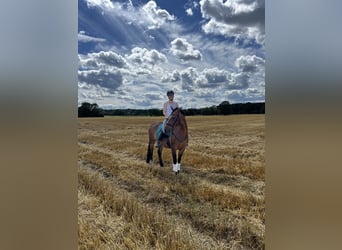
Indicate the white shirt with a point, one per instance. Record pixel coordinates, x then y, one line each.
170 107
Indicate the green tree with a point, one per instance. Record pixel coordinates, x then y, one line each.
155 112
224 108
90 110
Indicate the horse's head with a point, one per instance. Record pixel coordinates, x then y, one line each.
174 117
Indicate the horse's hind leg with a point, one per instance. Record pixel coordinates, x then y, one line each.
160 152
149 158
148 154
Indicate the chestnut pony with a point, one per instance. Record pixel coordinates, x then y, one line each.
177 129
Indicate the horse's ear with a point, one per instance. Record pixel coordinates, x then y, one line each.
174 109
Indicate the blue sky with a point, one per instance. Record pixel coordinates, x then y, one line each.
208 51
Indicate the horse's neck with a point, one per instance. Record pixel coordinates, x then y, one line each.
182 122
182 127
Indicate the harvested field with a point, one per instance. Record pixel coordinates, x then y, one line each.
216 202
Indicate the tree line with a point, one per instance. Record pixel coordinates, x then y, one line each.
224 108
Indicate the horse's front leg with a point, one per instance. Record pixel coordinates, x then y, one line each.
180 154
160 153
174 159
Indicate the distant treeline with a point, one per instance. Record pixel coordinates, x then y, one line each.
224 108
90 110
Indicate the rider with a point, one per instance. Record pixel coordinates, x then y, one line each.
168 107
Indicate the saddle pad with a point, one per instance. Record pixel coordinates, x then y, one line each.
160 130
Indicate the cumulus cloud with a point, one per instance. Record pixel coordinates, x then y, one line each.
249 94
250 63
153 96
145 56
189 12
83 38
102 59
215 75
109 79
155 16
211 78
188 78
181 48
238 81
253 91
171 77
238 18
110 58
192 80
149 15
110 70
236 95
100 3
102 69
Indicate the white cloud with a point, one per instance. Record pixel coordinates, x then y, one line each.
83 38
253 91
189 12
189 77
148 16
236 96
215 75
106 4
110 58
181 48
102 59
103 69
155 16
171 77
247 95
210 78
238 81
250 63
238 18
154 95
145 56
109 79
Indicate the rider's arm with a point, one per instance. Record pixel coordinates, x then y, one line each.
164 110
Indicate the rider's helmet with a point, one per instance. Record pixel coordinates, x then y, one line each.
170 93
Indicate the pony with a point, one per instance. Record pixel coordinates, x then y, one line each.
177 130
